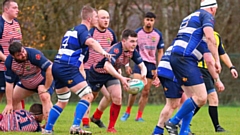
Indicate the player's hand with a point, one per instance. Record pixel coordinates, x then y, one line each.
120 71
128 70
155 74
124 81
156 82
234 73
218 67
8 109
219 85
107 55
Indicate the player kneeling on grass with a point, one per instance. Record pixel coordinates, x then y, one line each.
23 120
105 73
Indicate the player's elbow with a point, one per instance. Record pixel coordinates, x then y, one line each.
209 59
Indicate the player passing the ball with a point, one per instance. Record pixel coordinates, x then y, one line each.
105 73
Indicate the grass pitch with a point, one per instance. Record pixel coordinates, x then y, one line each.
229 118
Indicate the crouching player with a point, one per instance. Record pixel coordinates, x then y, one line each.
22 120
105 73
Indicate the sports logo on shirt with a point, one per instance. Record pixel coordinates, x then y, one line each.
109 40
38 56
153 39
184 79
28 68
116 50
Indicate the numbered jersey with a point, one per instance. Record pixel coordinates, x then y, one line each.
190 34
19 120
73 49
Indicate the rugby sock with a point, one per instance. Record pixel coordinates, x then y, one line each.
139 114
85 121
53 116
81 109
185 123
196 110
188 106
158 130
128 110
114 112
97 114
213 112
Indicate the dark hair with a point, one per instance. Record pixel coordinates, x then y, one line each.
128 32
7 2
36 109
150 15
15 47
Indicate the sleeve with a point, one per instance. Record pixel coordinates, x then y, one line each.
10 76
160 44
114 37
136 57
221 50
37 58
86 55
83 35
1 27
91 31
207 20
116 51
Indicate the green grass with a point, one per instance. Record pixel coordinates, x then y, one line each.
201 124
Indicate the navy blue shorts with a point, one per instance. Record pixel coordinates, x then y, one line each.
171 89
2 82
87 73
186 70
50 90
208 80
66 75
151 68
97 80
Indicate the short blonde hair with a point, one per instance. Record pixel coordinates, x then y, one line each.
87 11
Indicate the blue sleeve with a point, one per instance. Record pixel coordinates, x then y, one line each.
207 19
116 51
114 37
83 35
38 59
1 26
137 59
10 76
138 29
86 55
161 42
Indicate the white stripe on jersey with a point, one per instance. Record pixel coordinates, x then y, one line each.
65 51
197 54
184 45
71 33
165 64
188 30
181 43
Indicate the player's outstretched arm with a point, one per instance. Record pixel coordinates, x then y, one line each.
227 61
97 47
49 77
143 72
2 56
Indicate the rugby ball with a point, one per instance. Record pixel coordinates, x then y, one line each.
135 86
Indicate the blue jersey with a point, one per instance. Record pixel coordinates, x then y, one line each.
164 67
120 58
73 48
190 34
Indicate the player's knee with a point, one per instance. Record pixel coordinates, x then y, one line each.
175 105
117 100
85 93
45 97
145 93
64 97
